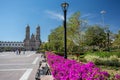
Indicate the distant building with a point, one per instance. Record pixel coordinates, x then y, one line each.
33 42
11 44
29 43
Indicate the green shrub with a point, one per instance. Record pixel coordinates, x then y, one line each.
40 51
54 52
114 58
82 60
92 58
108 61
104 54
58 53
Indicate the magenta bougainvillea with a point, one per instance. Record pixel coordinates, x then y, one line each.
65 69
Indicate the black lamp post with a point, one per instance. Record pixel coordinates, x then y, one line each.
108 38
65 7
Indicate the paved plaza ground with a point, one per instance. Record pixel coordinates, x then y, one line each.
19 67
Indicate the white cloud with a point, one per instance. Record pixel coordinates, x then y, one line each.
85 15
55 15
88 15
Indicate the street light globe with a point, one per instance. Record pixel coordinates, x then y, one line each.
64 6
103 12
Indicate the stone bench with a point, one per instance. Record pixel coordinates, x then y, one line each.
47 77
43 70
43 56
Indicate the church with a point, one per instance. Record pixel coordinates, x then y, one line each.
33 42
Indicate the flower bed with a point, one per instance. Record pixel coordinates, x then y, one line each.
65 69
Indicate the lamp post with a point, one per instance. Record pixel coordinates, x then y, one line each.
65 7
105 29
108 38
103 12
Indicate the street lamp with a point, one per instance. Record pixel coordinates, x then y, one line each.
65 7
108 38
103 12
105 28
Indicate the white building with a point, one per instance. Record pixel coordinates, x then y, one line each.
11 44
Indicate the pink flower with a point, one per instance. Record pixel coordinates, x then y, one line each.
117 76
65 69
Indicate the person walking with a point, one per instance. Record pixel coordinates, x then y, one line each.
17 51
24 51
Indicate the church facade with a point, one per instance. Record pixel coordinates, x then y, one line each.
32 42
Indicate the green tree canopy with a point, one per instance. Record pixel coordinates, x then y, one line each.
116 42
56 39
95 35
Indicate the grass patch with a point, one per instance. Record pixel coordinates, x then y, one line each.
104 54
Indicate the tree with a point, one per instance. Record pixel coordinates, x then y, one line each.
73 30
76 28
56 39
95 36
44 46
116 42
74 35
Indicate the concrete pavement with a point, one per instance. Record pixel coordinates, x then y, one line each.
19 67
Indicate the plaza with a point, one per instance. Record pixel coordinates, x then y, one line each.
59 40
19 67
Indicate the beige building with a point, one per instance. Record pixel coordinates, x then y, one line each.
33 42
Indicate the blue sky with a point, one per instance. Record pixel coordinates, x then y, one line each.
16 14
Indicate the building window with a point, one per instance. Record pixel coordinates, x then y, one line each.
9 44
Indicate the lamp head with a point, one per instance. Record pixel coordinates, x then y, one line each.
64 6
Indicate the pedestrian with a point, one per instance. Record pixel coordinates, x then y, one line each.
24 51
17 51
